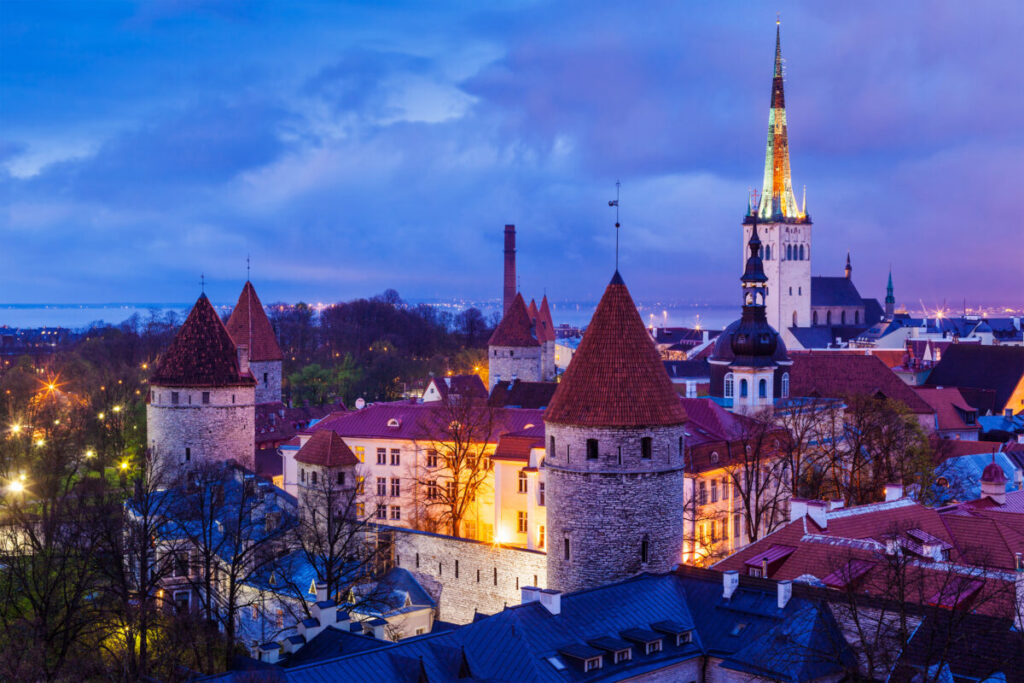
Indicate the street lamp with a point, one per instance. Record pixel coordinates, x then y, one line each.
16 486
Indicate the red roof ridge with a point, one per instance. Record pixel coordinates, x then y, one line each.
515 328
616 377
327 449
249 326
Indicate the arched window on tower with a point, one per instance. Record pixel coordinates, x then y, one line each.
729 390
789 252
744 391
794 318
814 318
762 389
645 550
785 385
801 252
768 253
828 317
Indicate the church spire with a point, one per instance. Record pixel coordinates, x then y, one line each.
890 299
777 199
849 268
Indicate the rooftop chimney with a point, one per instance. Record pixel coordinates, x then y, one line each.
785 589
797 508
817 510
551 600
730 582
530 594
893 492
510 267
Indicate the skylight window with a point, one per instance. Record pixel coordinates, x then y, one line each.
738 628
557 663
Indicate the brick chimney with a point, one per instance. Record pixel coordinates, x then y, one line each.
510 268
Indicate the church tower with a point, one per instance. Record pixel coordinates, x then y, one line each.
890 299
615 430
785 227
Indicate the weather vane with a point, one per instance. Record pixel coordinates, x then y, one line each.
247 266
615 203
202 282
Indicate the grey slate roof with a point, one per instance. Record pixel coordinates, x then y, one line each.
834 291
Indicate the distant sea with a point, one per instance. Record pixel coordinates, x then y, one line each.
577 314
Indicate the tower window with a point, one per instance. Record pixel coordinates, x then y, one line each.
206 398
801 252
174 398
188 454
265 379
591 449
743 388
856 317
567 548
313 475
729 386
645 548
524 482
762 389
341 478
814 318
551 447
794 318
842 317
646 447
785 385
828 317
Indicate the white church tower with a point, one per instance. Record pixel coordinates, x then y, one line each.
785 227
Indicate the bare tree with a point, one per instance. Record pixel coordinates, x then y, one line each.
759 475
456 435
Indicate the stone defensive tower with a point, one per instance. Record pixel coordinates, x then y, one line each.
615 454
785 227
513 351
202 396
250 329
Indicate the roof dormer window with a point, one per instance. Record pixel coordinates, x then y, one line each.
394 423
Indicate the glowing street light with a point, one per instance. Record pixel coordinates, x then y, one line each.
40 443
117 409
16 487
102 416
90 453
124 465
15 428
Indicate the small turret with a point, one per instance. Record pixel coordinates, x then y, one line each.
849 268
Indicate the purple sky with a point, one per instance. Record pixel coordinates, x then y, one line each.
351 149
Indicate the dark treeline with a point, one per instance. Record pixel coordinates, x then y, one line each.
374 348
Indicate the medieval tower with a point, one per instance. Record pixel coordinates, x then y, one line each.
250 329
615 453
513 352
785 226
202 396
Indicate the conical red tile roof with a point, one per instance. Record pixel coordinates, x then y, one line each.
249 325
546 325
616 378
327 449
532 310
514 328
202 353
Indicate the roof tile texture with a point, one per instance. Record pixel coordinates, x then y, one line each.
834 375
327 449
616 378
202 353
514 328
250 326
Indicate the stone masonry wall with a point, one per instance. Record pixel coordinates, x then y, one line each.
222 429
504 362
468 576
606 507
271 391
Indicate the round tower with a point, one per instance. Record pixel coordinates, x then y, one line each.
202 396
513 351
615 429
324 470
252 332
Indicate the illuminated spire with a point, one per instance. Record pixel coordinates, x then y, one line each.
777 197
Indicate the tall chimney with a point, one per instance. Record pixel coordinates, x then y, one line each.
510 267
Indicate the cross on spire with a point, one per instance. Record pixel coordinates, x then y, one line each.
248 265
202 282
615 203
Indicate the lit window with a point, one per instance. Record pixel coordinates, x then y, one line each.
524 482
702 497
541 536
540 494
521 522
432 490
729 389
360 454
714 490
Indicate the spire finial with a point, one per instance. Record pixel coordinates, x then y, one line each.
248 265
615 203
202 283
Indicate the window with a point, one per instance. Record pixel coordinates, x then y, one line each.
828 317
802 252
856 317
645 447
791 291
432 491
396 513
382 512
314 476
702 496
842 317
360 510
566 548
188 454
785 385
814 318
266 379
524 482
551 447
521 522
541 536
653 646
684 638
432 458
794 319
645 550
623 655
182 600
360 481
341 478
729 389
592 664
174 398
800 290
743 388
541 500
360 454
591 449
382 486
714 490
762 386
382 456
206 398
396 456
302 476
396 487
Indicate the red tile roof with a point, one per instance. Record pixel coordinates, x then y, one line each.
532 311
327 449
616 378
249 325
546 326
514 328
949 406
202 354
830 374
